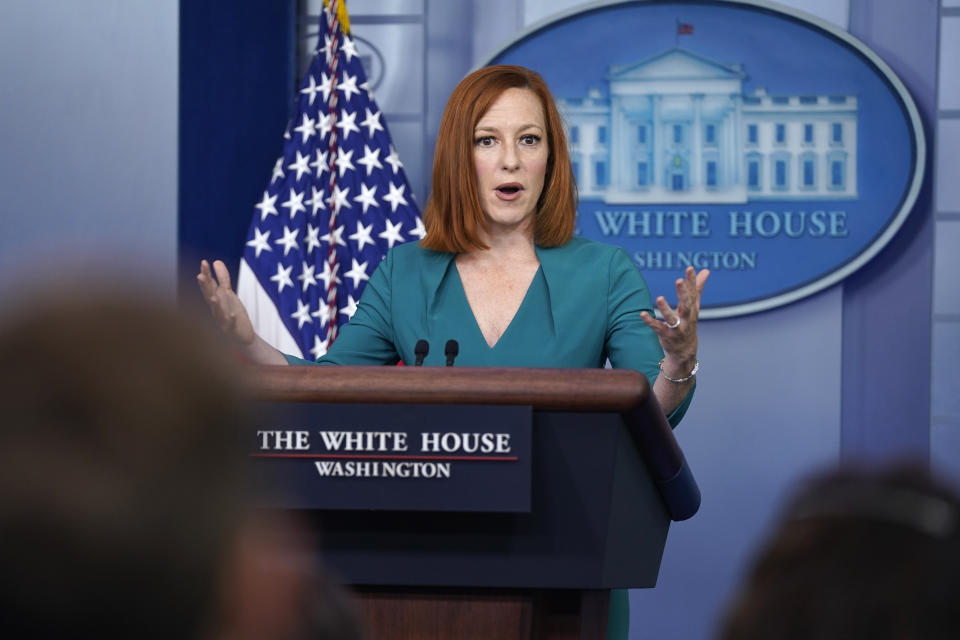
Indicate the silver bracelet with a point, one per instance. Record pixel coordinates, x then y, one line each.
696 368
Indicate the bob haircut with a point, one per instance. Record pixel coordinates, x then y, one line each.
453 217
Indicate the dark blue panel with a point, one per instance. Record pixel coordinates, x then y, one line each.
596 521
236 92
396 457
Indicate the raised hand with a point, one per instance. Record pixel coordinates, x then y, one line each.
678 329
224 304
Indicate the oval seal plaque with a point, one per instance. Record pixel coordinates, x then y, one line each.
754 140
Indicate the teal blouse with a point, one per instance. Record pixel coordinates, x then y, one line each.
582 308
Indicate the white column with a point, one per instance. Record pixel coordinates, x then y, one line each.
656 130
737 148
696 155
615 144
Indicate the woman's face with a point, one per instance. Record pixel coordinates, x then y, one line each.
510 155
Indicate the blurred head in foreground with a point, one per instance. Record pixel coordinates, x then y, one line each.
857 555
122 494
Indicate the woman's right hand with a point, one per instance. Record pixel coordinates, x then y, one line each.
224 303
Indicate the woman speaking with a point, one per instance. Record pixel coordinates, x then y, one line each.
499 269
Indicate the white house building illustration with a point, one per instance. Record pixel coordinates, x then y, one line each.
677 127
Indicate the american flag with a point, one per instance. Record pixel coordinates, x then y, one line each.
337 200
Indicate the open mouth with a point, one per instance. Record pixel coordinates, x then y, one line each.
509 189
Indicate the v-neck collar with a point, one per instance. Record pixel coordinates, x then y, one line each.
455 273
553 268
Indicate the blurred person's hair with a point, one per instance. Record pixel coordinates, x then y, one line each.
123 499
120 467
858 554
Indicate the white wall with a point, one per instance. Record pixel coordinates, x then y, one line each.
88 137
945 392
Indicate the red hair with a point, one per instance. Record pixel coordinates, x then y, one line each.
453 217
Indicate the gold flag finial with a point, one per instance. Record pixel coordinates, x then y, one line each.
342 16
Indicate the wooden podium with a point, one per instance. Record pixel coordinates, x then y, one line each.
605 478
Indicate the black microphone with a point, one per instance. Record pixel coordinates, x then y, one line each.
451 350
421 349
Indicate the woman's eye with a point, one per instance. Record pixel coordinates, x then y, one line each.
485 141
529 140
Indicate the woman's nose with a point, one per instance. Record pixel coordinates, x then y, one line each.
510 159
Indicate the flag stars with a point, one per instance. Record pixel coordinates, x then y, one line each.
351 307
324 313
345 161
260 242
289 239
326 85
301 166
338 198
367 197
372 122
302 314
346 123
392 233
282 277
277 171
320 164
419 230
357 273
324 124
362 238
327 49
267 206
337 237
370 159
316 200
294 203
395 197
306 128
393 160
319 347
311 89
338 181
349 49
307 277
348 86
313 238
329 274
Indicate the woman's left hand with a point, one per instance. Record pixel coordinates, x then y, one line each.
678 329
